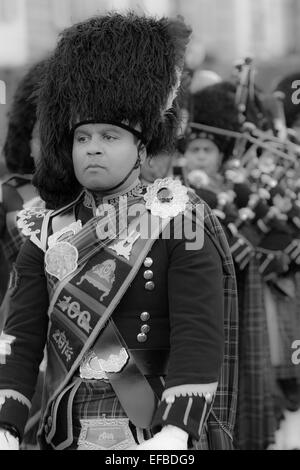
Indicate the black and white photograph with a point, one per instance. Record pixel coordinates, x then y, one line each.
149 227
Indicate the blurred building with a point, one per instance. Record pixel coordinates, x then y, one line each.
29 28
230 29
226 28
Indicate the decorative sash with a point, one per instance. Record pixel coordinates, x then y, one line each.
84 301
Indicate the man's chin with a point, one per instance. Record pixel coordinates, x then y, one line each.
98 185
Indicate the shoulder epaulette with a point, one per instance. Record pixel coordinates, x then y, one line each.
33 223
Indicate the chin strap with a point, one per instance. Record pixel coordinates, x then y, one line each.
135 167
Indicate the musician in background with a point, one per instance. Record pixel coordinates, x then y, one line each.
21 152
219 177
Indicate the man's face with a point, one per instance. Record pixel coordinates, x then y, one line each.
203 154
103 154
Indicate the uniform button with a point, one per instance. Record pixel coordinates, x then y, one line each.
141 337
145 316
49 421
148 262
149 285
46 428
208 397
148 274
145 329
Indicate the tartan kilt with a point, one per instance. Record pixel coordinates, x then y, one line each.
256 422
96 399
288 316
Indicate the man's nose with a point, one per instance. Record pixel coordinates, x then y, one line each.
201 155
95 147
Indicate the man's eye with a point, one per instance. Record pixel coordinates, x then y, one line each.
81 139
109 137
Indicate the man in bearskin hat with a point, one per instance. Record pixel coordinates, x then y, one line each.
243 202
21 150
141 331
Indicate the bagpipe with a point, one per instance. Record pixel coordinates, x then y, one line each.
259 202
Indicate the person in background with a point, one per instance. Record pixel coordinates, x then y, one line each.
21 152
203 78
214 172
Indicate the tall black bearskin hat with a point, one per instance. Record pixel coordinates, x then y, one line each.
22 118
117 68
291 106
214 106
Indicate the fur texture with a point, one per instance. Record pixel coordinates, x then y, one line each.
215 106
22 118
110 68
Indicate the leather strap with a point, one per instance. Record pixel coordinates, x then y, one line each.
130 385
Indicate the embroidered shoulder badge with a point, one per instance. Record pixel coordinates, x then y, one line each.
166 197
30 221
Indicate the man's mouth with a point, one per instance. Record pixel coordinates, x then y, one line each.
94 166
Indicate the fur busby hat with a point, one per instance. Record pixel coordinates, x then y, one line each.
22 118
291 106
121 69
214 106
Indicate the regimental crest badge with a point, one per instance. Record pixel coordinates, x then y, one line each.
93 367
61 260
166 197
124 247
102 276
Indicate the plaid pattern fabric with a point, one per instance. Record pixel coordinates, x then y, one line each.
288 313
220 424
96 399
11 244
12 239
256 422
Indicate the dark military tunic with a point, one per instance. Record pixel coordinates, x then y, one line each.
182 308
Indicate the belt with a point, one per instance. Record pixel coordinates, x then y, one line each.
129 383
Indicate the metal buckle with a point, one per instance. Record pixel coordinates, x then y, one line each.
105 434
93 367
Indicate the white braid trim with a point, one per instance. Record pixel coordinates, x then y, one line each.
205 390
6 394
